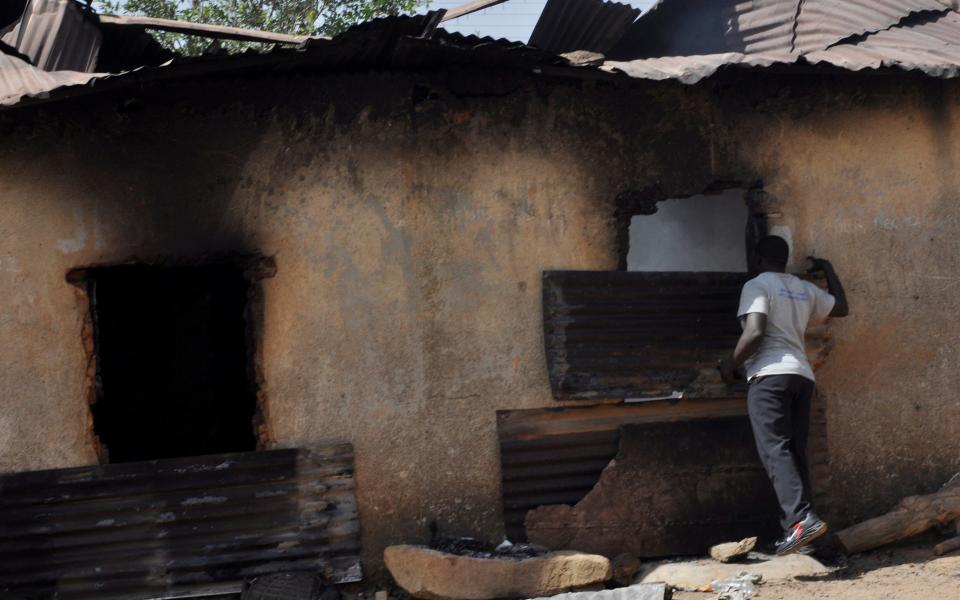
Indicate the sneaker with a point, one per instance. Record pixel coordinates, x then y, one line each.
801 534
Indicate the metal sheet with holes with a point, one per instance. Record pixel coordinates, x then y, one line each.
616 334
163 528
556 455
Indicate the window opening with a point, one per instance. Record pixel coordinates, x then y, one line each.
172 356
698 233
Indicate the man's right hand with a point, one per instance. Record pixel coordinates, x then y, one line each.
819 265
727 371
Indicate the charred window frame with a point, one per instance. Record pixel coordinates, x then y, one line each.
252 269
632 203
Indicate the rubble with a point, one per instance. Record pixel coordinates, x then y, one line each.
434 575
730 551
699 574
740 587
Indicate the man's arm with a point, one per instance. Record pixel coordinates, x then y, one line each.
753 328
840 308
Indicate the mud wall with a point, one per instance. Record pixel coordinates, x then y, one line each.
410 220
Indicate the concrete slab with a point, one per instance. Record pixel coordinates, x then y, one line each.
433 575
697 574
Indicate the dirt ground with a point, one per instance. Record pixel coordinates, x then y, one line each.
907 572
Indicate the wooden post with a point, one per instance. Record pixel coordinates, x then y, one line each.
914 515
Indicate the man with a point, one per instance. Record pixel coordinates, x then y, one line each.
775 308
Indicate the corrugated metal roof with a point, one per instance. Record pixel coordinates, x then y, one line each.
822 23
675 40
158 528
697 27
593 25
19 79
930 44
924 40
56 35
689 41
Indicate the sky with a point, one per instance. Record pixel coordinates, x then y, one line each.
513 19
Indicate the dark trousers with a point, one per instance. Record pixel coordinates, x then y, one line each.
779 408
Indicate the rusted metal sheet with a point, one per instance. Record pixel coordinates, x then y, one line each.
673 489
617 334
556 456
594 25
168 527
56 35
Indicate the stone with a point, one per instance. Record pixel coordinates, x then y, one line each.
433 575
697 574
732 550
638 591
584 58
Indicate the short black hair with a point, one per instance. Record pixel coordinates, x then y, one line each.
774 248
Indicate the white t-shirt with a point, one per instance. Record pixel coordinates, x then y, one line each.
789 303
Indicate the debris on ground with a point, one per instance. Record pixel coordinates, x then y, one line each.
436 575
914 515
740 587
731 551
467 546
699 574
639 591
296 585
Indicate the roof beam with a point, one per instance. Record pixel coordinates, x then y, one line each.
469 7
204 30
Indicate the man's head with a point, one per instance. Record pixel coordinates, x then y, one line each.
772 253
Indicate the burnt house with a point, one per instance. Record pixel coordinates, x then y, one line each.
403 277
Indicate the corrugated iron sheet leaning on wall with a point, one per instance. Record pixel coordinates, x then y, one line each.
163 527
